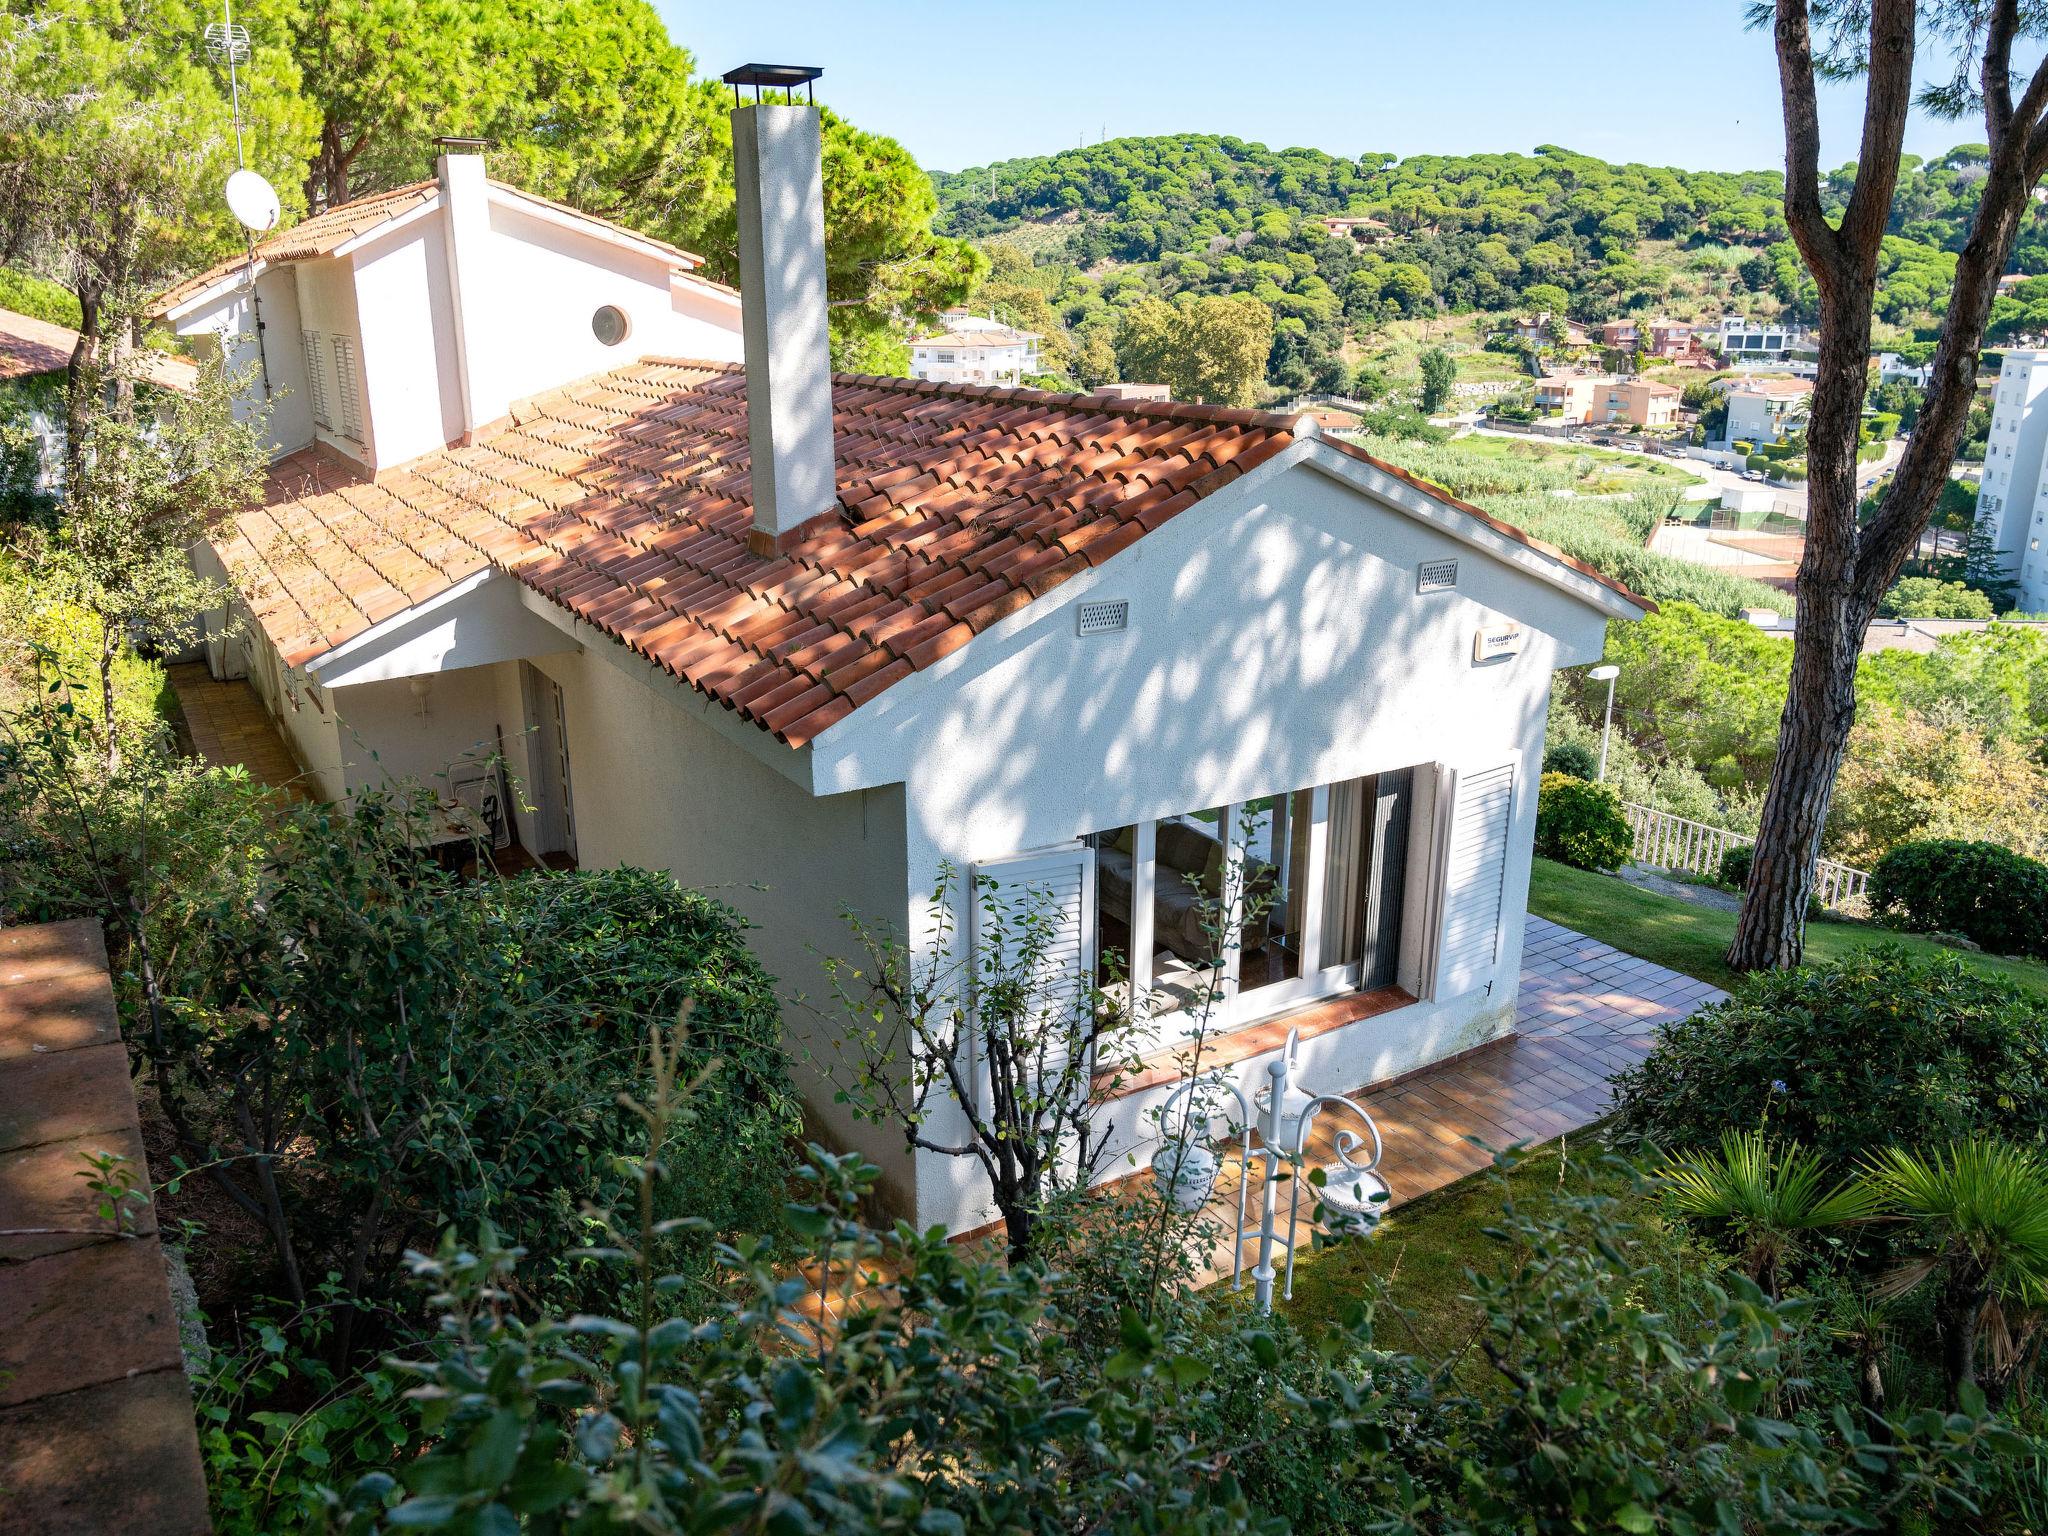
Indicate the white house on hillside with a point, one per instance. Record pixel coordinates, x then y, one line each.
974 349
808 640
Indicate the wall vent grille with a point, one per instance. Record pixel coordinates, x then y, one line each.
1436 576
1104 618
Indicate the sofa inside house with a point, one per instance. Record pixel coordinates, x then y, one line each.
1187 882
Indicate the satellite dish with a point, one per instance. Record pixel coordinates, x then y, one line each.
253 201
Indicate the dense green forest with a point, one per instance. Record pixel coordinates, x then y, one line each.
1079 236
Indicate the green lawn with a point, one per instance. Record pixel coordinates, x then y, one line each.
1692 939
1421 1252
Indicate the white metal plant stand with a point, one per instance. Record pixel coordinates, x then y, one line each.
1352 1194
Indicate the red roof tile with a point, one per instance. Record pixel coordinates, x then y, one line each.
625 499
29 346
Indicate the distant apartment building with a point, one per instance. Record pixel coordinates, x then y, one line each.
1604 398
2011 500
1577 397
974 349
1740 337
1758 409
1536 329
1660 338
1154 392
1641 403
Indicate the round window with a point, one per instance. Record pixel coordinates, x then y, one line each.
609 325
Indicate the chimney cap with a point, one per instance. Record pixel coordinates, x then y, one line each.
459 141
780 77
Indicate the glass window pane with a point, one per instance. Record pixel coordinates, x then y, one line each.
1114 880
1187 895
1275 899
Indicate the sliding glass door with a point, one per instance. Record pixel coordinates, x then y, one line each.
1229 914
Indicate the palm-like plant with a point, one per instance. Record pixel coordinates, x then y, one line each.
1982 1210
1772 1198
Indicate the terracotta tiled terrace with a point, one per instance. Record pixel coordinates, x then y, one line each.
1586 1011
228 725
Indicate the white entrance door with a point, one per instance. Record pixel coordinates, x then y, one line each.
552 789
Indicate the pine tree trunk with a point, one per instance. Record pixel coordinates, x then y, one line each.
1830 615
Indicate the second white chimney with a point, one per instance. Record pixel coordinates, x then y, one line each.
779 183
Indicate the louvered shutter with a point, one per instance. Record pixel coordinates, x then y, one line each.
1057 885
1475 861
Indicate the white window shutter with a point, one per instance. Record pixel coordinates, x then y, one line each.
1058 883
1480 809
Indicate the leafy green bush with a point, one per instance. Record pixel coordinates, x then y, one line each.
1734 867
1581 824
1929 597
1876 1050
1758 462
1995 898
1573 758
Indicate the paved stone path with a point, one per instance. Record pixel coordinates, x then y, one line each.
228 725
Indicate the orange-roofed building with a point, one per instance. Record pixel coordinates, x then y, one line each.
810 640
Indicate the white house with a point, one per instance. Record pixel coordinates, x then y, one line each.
974 349
1759 409
399 323
1740 336
807 641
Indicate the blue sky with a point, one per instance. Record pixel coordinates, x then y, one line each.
1668 82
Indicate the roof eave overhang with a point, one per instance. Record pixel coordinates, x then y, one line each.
1460 524
212 292
609 234
389 227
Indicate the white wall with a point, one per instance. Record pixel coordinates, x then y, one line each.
546 282
1276 642
384 736
408 344
226 329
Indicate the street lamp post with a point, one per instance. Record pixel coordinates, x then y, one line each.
1605 674
1351 1192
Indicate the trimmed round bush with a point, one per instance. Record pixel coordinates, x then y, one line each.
1573 758
1581 824
1877 1050
1995 898
1734 866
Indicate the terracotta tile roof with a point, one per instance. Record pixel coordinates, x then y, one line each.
998 336
325 233
321 235
627 499
29 346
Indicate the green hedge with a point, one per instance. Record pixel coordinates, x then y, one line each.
1995 898
1876 1050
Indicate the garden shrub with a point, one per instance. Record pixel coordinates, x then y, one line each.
1734 867
1581 824
1995 898
1875 1050
1757 462
1574 759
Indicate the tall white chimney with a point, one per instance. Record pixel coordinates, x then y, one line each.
779 181
466 238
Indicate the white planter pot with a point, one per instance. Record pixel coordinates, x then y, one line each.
1185 1175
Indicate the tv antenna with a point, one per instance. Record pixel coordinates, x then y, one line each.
250 198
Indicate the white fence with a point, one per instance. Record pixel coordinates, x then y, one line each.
1665 841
